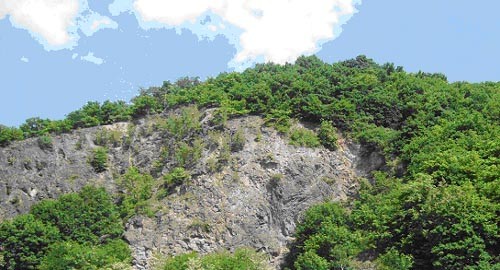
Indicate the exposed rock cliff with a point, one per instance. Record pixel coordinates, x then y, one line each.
254 198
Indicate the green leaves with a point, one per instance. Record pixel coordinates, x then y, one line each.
65 233
241 259
99 159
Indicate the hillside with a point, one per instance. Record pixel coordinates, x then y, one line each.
351 165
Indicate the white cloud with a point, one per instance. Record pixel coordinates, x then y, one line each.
25 59
98 23
92 59
48 18
275 30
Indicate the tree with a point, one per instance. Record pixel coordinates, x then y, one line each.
24 241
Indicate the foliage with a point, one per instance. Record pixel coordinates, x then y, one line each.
238 140
99 159
45 142
328 135
176 177
241 259
77 230
137 190
72 255
8 134
435 207
24 240
303 137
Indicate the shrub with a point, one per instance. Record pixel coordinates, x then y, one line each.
241 259
176 177
99 159
304 137
238 140
24 241
83 217
137 189
72 255
9 134
45 142
328 135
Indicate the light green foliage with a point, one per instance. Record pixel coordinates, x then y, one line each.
184 124
8 134
187 155
104 137
176 177
72 255
137 189
328 135
180 262
99 159
303 137
392 259
45 142
238 140
440 138
241 259
200 225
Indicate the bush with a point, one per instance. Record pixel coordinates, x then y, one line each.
99 159
83 217
24 241
137 189
304 137
328 135
238 140
45 142
241 259
72 255
9 134
65 232
176 177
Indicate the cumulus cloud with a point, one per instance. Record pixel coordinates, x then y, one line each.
48 18
276 30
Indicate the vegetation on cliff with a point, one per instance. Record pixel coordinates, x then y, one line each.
435 205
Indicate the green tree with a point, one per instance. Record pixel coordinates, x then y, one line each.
24 241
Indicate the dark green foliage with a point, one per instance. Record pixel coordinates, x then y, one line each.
137 189
144 105
34 126
99 159
24 240
241 259
112 112
440 139
415 225
78 230
84 217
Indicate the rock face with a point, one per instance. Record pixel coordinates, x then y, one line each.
254 199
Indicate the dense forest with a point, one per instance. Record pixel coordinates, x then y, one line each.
435 205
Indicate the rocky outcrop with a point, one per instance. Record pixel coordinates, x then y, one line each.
255 199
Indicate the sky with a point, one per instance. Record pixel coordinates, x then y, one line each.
56 55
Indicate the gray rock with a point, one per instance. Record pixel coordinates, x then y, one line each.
254 200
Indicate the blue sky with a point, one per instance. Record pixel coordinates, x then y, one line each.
111 54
